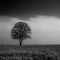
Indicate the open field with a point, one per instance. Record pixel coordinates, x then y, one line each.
30 52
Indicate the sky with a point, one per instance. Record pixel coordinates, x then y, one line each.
43 16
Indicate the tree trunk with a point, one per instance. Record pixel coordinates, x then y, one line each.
20 42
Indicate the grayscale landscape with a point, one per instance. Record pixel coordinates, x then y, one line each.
30 30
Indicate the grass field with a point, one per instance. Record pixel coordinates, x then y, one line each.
30 52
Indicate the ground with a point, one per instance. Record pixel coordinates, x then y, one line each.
30 52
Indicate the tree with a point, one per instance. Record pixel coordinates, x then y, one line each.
21 31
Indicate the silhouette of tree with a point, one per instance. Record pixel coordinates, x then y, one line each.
21 31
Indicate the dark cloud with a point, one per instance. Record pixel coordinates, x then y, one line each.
30 8
5 18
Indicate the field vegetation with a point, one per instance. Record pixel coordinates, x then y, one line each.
28 53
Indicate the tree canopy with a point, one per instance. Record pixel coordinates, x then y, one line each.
21 30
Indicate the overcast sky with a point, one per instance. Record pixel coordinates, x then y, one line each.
43 17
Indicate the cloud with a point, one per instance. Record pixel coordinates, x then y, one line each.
5 18
46 23
45 30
